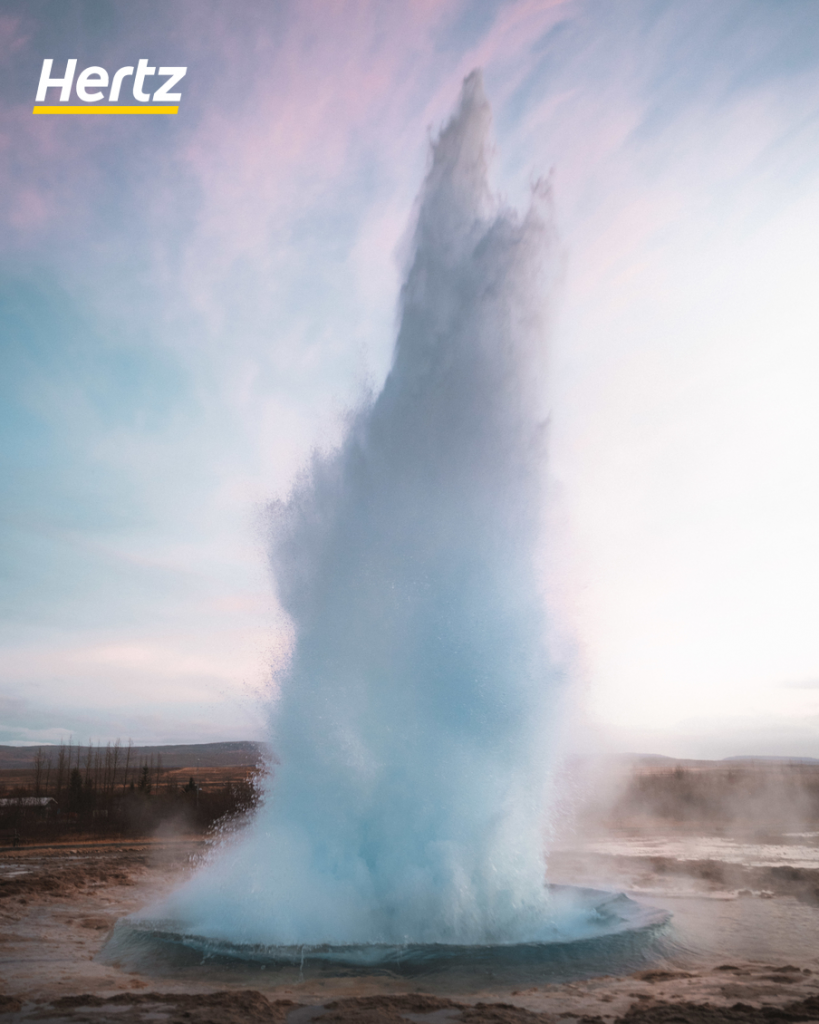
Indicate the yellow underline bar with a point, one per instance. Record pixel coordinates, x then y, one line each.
110 109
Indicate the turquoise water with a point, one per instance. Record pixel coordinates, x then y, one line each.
601 933
418 719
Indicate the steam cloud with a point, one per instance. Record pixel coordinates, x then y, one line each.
413 724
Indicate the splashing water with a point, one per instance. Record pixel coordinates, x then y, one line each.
413 724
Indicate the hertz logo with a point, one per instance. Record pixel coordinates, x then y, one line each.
93 80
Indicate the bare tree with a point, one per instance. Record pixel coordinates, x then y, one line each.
115 752
61 767
127 762
89 761
39 764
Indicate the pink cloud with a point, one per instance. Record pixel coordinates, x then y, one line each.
13 36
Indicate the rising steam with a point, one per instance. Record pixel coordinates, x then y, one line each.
413 723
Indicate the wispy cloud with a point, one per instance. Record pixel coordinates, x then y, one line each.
194 303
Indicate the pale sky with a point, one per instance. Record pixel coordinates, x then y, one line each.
190 304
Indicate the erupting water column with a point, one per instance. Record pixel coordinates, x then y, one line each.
413 723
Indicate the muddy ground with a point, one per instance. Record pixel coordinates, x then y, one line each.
58 904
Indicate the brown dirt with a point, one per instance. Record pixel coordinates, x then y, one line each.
242 1007
251 1007
739 1013
57 906
62 881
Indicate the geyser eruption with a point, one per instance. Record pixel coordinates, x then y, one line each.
413 723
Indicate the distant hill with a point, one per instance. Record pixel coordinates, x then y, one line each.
660 760
772 759
240 753
179 755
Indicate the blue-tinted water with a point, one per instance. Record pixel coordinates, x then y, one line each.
417 722
612 934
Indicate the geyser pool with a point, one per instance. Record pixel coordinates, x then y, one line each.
601 932
416 720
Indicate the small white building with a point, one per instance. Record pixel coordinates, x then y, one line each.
45 803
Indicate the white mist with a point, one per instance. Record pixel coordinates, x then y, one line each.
414 722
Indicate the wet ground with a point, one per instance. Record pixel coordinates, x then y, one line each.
743 944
